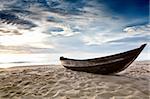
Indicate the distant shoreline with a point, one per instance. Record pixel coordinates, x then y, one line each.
13 65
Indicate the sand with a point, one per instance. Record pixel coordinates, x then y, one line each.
56 82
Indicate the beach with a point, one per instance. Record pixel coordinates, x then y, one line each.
56 82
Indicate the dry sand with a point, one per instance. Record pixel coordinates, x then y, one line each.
56 82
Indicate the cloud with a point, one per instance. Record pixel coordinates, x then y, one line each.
54 19
61 30
4 31
7 17
71 27
139 29
130 40
56 6
27 37
99 39
134 34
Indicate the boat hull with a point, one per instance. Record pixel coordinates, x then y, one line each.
103 65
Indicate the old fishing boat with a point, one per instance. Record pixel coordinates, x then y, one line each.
103 65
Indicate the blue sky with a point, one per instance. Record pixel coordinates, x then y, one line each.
74 28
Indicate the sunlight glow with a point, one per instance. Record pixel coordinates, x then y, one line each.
26 38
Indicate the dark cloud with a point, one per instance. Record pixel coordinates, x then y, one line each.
124 8
55 29
57 6
54 19
19 12
9 18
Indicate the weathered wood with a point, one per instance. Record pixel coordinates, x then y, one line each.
103 65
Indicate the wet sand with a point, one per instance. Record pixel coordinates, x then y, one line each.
56 82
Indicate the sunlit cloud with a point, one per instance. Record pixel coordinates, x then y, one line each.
28 37
139 29
99 39
7 31
132 40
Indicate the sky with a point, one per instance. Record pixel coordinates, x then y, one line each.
48 29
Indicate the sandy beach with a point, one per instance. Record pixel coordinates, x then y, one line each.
56 82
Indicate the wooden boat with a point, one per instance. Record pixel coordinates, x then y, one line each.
103 65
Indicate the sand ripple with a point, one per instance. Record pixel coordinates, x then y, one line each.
49 82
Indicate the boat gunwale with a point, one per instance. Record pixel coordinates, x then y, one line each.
139 49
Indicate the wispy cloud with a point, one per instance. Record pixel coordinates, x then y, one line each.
61 30
139 29
70 27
